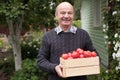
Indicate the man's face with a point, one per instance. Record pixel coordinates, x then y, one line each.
65 15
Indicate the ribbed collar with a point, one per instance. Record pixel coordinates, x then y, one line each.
72 29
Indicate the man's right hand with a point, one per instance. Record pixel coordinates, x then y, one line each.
58 69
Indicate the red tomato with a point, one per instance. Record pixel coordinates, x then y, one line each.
75 54
87 54
79 50
70 57
65 56
69 54
93 54
81 56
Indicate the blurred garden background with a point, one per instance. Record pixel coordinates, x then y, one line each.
23 23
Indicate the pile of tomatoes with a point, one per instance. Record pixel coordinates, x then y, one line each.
78 53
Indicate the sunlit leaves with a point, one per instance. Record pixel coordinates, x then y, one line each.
13 10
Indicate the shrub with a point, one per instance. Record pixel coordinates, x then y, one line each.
7 66
1 43
29 71
30 45
77 23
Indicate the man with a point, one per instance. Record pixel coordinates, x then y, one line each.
62 39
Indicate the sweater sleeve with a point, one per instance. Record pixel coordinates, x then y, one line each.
43 57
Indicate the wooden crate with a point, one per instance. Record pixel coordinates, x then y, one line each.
80 66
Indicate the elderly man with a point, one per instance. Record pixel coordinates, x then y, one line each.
62 39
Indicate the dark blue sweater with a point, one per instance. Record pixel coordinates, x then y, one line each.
53 45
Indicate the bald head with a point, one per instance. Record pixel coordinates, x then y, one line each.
64 4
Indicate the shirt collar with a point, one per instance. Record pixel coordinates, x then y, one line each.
72 29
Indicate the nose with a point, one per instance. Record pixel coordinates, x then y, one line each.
66 15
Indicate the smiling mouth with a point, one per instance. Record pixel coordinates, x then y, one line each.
66 19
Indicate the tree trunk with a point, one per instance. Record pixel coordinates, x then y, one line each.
14 39
17 54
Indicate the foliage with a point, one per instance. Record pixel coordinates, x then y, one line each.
7 65
92 77
111 28
77 7
30 44
12 9
1 43
104 74
29 71
40 13
77 23
2 19
4 44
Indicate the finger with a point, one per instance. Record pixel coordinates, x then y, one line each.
59 70
60 65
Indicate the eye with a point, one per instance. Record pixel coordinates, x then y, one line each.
62 12
70 12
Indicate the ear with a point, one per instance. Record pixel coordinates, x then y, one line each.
56 14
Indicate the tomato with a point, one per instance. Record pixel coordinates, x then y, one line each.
75 54
65 56
87 54
69 54
93 54
70 57
81 56
80 51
